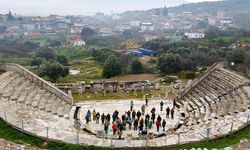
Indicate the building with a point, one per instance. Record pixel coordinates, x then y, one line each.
78 42
29 27
194 35
33 35
135 24
147 27
226 21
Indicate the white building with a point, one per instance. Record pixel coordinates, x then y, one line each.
147 27
135 23
78 43
195 35
226 21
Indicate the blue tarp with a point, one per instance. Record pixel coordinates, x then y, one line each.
145 51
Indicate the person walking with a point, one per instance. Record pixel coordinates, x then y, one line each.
131 105
167 112
172 113
161 105
143 109
163 124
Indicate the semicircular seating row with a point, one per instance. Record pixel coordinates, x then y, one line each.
214 103
23 100
217 101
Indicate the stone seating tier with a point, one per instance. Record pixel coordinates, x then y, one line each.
218 102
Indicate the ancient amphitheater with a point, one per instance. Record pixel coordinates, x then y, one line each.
214 105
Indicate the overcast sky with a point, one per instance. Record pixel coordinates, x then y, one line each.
82 7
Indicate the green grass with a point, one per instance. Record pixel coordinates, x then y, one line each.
19 59
228 39
74 52
11 134
90 70
52 37
8 133
245 39
91 96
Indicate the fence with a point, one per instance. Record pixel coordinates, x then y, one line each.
79 137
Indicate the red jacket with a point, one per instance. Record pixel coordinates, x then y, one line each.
158 123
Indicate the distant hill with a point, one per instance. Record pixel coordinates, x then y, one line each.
236 6
231 6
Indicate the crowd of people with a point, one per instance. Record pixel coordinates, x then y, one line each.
132 119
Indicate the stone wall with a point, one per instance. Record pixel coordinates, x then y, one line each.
44 84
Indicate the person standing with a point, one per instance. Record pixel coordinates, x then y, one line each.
158 124
89 115
114 128
147 117
167 112
153 117
131 105
94 115
141 124
138 114
150 124
120 134
108 117
163 124
153 110
159 118
143 109
135 124
172 113
102 118
97 117
174 103
146 123
129 121
87 119
106 127
146 100
133 115
161 105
